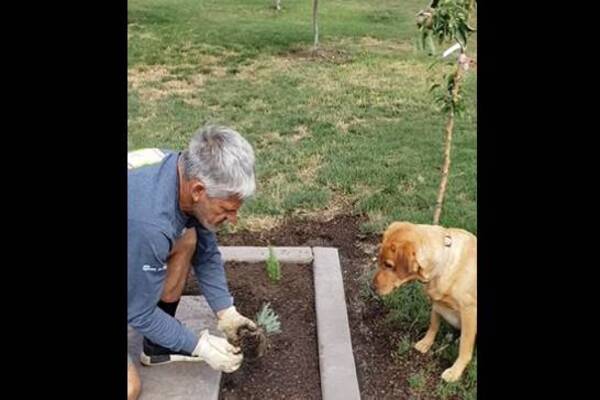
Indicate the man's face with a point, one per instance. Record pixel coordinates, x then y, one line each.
212 212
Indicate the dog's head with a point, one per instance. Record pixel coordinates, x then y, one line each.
399 258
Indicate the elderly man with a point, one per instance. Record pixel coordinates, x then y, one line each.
174 208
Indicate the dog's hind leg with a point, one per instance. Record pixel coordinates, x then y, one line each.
468 320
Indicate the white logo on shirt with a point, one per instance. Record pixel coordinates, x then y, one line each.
147 267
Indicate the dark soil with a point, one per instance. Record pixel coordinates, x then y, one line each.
289 367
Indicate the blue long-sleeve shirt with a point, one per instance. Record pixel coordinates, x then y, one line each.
154 222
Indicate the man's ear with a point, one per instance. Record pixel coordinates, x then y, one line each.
197 190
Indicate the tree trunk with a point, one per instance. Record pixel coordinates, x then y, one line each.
447 149
315 24
445 169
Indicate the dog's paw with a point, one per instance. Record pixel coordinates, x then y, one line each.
423 345
451 374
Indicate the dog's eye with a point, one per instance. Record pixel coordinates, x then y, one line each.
388 264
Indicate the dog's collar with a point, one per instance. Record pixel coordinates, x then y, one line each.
447 246
447 240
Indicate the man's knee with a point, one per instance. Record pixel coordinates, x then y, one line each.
178 265
134 385
170 295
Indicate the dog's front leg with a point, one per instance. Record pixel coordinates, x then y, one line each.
468 321
424 344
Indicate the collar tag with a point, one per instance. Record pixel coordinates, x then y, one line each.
448 241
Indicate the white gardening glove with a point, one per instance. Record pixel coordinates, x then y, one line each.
230 321
218 352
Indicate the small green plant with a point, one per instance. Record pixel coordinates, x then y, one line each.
267 319
417 382
404 346
273 267
445 390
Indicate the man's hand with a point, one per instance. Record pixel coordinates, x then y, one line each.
230 321
218 353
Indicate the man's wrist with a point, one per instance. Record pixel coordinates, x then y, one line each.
222 312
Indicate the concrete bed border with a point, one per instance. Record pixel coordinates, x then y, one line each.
336 360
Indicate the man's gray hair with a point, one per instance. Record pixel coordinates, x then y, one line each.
222 160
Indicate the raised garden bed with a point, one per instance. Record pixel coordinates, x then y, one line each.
312 358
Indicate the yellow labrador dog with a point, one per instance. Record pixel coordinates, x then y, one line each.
445 261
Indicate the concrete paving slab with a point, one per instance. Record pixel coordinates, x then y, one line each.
336 360
183 380
296 255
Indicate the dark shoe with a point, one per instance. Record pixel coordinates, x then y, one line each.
154 354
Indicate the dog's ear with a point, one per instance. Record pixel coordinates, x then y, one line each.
413 258
406 257
422 261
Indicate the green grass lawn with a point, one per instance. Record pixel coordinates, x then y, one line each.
352 130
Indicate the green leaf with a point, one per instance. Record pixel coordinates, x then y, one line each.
433 64
462 38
